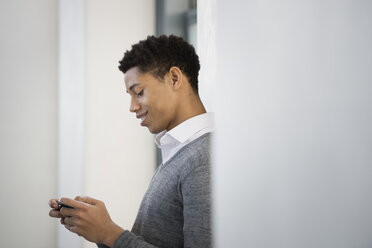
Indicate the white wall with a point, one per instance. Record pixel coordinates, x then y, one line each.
71 95
28 122
206 26
119 156
294 116
119 153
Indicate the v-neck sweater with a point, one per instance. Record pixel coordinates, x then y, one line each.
176 209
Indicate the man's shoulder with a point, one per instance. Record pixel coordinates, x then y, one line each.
195 154
196 149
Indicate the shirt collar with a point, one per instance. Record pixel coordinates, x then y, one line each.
185 130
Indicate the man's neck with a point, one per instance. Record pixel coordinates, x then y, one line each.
189 109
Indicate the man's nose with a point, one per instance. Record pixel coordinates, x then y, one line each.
134 106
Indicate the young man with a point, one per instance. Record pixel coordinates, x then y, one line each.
161 76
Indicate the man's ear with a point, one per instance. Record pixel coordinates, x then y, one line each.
176 77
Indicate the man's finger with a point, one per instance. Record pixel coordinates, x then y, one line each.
71 203
67 212
73 229
53 203
55 213
63 221
67 227
77 198
89 200
72 221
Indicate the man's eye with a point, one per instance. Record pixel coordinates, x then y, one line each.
139 93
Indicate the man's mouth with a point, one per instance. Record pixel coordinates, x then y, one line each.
142 117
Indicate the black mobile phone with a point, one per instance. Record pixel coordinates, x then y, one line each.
63 205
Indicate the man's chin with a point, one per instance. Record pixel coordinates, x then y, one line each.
154 130
151 130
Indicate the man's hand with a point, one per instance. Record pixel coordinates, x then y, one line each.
54 212
88 218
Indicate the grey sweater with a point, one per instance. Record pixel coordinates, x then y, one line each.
175 211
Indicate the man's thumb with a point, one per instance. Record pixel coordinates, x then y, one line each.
87 199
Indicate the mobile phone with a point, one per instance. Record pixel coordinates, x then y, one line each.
63 205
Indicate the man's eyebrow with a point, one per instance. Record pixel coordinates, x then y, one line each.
131 87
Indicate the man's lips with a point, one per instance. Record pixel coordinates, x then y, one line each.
142 117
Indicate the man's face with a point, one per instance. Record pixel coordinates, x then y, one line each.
153 101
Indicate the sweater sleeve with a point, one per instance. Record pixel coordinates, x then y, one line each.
128 239
102 246
197 208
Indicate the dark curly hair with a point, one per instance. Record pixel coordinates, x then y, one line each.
158 54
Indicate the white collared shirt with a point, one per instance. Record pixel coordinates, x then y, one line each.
189 130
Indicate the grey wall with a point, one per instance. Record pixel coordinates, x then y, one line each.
293 150
28 122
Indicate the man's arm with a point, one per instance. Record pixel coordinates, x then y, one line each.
196 210
92 221
196 191
129 240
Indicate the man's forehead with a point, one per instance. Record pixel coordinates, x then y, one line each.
130 84
131 87
131 78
